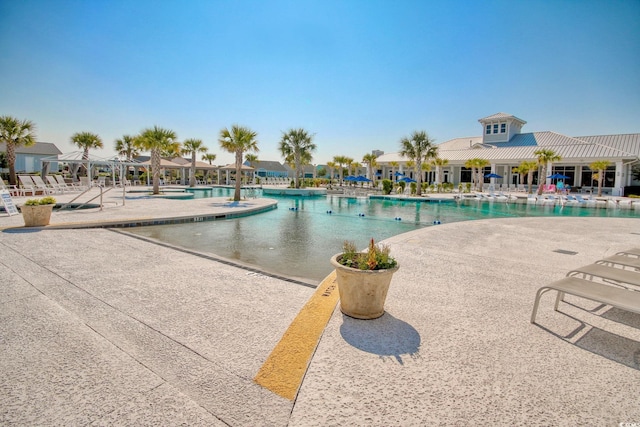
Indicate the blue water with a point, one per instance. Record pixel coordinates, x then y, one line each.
299 237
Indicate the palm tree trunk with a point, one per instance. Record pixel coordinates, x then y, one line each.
192 178
155 169
11 159
236 194
600 179
418 178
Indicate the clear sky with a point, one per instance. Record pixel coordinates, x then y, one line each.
359 75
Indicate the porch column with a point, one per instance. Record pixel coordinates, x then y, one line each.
618 183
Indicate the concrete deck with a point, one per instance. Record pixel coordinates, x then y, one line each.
100 328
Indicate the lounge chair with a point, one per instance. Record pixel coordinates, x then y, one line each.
41 185
616 297
14 190
27 185
621 260
630 252
54 184
612 275
63 185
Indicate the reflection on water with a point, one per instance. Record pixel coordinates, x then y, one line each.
299 237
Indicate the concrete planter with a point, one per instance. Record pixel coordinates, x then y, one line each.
36 216
362 292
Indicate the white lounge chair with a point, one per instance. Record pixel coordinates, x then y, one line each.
41 185
27 185
54 184
14 190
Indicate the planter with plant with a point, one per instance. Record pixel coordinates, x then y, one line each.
37 212
364 279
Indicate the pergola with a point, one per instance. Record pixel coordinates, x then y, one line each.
232 167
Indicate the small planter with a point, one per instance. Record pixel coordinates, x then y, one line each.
36 215
362 292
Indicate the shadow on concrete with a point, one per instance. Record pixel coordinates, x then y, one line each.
22 230
614 347
386 336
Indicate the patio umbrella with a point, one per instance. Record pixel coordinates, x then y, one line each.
558 176
399 174
407 179
350 178
362 179
492 175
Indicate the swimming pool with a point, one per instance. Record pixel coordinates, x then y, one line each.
299 237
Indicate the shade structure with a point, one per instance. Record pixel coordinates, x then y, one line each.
399 174
350 178
407 179
232 167
558 176
361 178
493 175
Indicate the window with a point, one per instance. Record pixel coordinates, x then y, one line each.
503 128
495 128
488 129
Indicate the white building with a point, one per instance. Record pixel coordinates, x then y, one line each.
504 146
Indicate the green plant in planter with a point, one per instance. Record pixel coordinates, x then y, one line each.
44 201
376 258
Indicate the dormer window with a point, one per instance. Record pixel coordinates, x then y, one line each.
503 128
488 129
495 128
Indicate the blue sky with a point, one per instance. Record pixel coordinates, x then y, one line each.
359 75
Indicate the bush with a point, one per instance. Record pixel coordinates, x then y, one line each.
387 186
48 200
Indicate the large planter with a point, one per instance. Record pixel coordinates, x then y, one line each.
37 215
362 292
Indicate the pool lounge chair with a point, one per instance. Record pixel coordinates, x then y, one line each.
27 185
606 294
608 274
54 184
41 185
612 291
621 260
630 252
14 190
63 185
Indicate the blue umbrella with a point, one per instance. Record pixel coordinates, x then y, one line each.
399 174
558 176
492 175
407 179
362 179
350 178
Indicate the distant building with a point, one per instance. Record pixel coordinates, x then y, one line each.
28 159
504 146
268 169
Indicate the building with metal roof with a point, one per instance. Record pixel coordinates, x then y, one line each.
28 159
505 146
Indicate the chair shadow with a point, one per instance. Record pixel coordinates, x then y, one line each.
614 347
385 336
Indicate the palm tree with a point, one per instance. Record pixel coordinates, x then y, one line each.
440 163
600 166
251 158
341 161
193 146
209 157
85 141
419 148
127 147
331 166
527 168
353 166
238 140
544 157
297 146
15 133
394 165
480 165
157 140
371 162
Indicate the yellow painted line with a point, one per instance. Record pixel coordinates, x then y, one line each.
284 369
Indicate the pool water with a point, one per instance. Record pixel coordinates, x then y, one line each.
299 237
